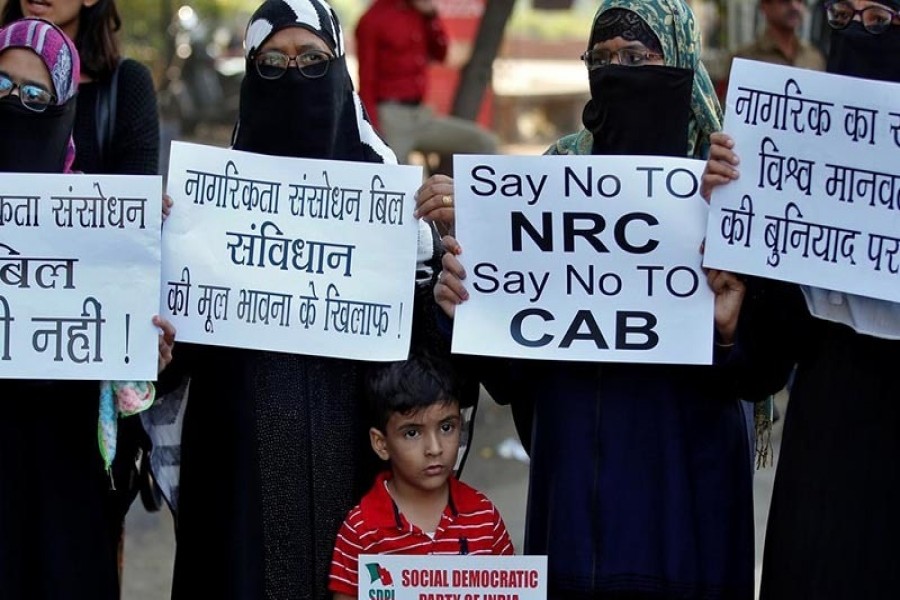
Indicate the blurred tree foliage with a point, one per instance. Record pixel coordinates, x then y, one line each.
146 24
551 25
147 35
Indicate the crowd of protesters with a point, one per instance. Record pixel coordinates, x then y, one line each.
293 465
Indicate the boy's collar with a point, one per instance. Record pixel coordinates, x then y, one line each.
381 511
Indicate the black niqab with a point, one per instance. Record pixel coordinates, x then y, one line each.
296 116
639 110
300 117
34 142
858 53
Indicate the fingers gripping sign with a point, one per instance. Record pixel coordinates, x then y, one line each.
166 341
435 201
450 290
721 166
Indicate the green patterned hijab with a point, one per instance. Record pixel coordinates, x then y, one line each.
673 23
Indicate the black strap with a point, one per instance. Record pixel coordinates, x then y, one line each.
105 117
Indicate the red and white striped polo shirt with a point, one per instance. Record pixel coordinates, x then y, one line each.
470 524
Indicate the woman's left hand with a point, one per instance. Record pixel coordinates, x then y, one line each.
434 201
166 342
729 291
721 166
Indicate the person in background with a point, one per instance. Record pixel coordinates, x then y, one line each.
416 506
395 42
639 484
778 43
833 522
59 519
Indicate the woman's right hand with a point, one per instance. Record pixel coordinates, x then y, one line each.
450 291
166 342
167 203
434 201
721 166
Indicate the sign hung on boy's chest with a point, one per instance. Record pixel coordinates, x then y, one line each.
399 577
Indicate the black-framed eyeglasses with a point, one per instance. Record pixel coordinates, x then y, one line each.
875 18
629 57
32 96
312 64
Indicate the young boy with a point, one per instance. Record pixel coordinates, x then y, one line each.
418 506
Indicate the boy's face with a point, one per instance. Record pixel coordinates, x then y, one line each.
422 446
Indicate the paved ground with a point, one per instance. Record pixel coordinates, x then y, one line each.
149 547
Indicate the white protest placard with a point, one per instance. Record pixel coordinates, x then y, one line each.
818 200
583 258
449 577
79 276
288 254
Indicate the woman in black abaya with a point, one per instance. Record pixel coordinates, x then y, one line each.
60 519
834 520
272 450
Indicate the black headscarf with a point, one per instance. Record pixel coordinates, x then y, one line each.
295 116
626 24
858 53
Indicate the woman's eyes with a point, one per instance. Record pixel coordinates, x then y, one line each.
273 60
309 58
632 59
32 92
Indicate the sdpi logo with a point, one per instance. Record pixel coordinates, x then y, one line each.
382 576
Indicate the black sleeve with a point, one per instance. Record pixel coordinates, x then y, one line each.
773 329
185 357
135 145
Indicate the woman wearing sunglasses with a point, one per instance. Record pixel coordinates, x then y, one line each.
834 519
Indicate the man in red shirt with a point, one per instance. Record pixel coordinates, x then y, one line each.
395 41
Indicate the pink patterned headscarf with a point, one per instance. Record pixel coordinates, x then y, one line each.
57 51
